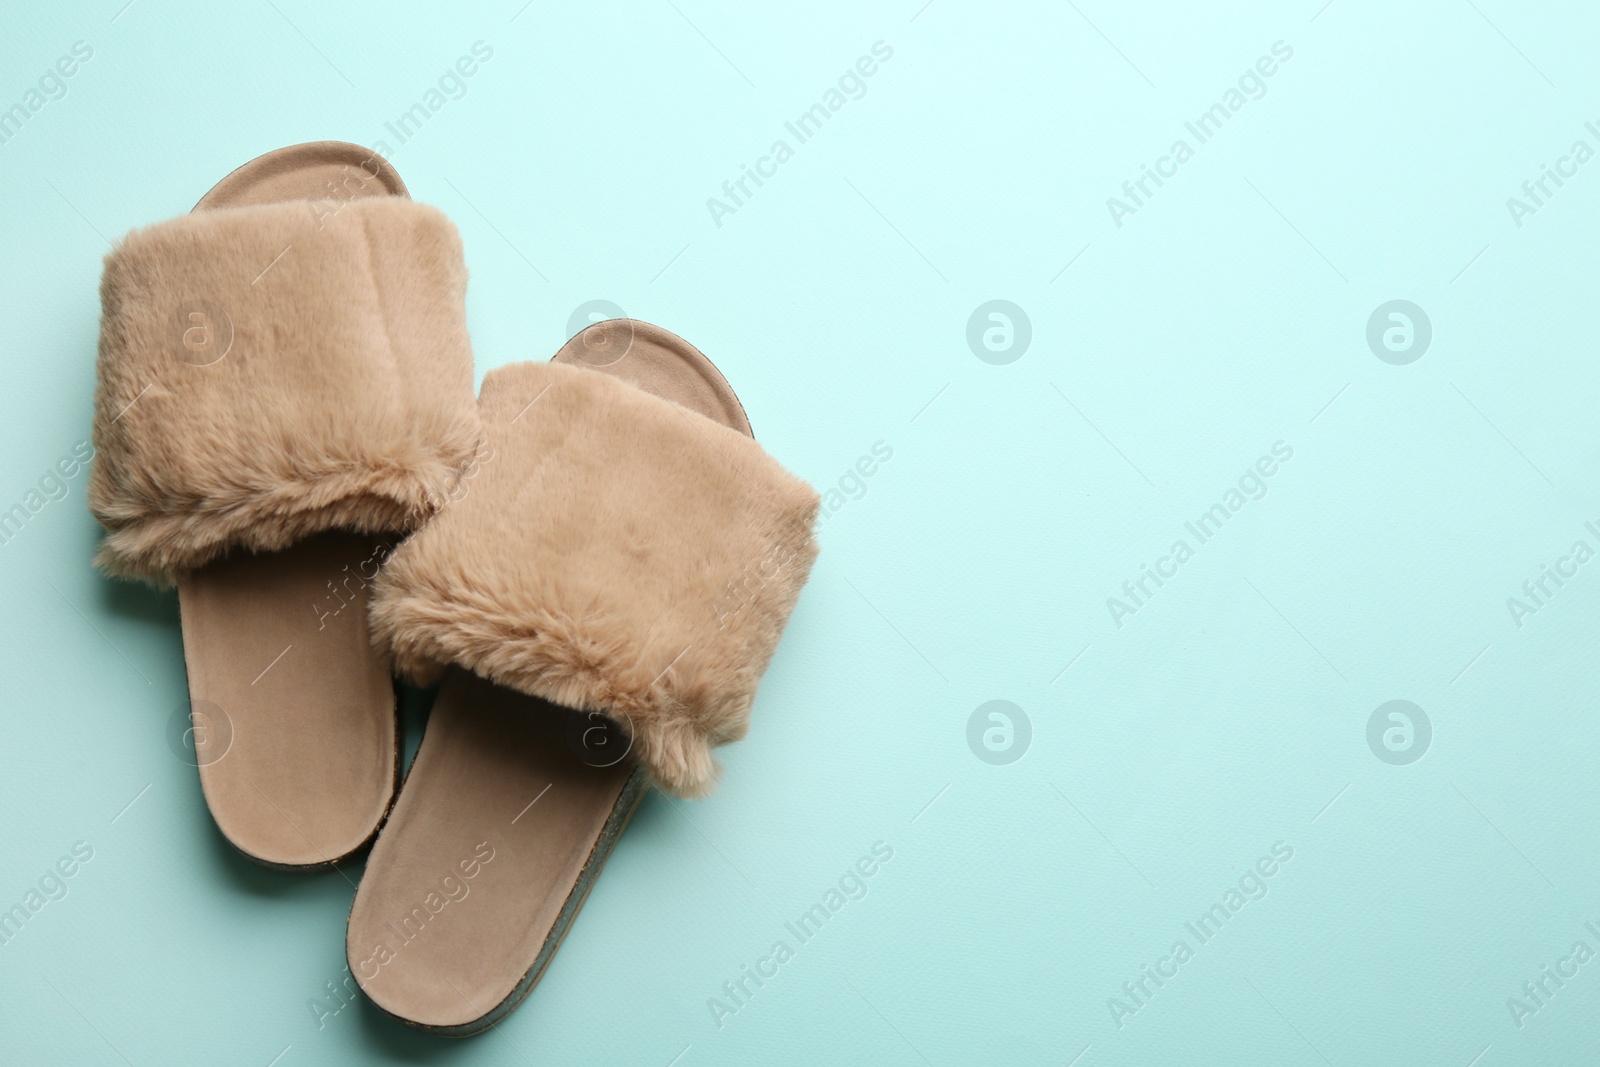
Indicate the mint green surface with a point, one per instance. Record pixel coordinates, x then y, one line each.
1172 347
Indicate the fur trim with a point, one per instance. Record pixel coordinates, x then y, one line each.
616 553
267 372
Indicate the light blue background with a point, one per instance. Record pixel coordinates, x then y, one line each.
1230 713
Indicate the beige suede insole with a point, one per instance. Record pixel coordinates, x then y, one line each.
294 713
513 803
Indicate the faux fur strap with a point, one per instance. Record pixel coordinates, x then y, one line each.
615 553
271 371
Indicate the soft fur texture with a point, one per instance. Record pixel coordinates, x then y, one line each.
616 553
344 401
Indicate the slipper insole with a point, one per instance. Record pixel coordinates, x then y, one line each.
296 736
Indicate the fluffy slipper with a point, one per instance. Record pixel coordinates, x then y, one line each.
603 600
285 390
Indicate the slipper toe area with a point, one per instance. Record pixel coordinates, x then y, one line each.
617 553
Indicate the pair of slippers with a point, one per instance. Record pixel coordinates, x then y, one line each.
593 558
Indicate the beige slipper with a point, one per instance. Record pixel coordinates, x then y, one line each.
603 599
285 389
